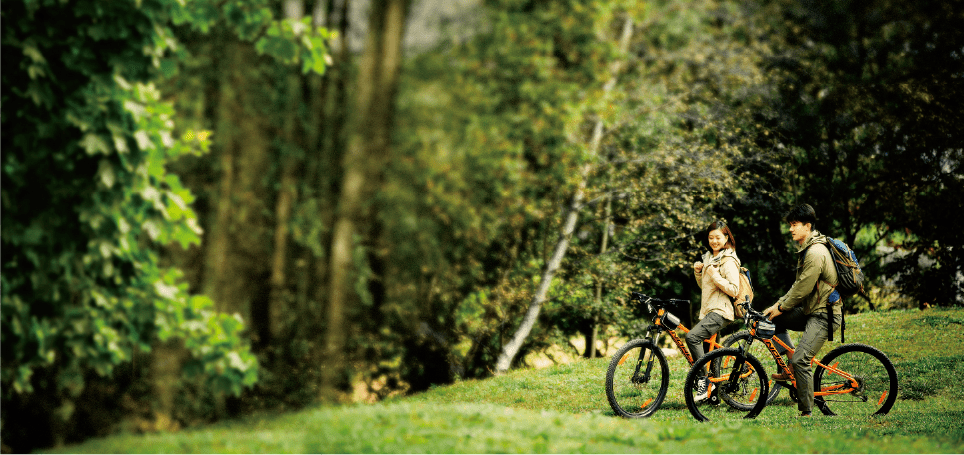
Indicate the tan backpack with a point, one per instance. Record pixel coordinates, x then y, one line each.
745 295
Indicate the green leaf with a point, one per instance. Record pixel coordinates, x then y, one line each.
106 174
94 144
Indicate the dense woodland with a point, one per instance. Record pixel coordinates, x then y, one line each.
214 208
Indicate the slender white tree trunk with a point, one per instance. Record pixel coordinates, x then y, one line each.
570 217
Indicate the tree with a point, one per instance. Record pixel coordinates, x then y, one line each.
369 147
495 182
87 203
570 215
860 127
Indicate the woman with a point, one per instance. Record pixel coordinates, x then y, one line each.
718 275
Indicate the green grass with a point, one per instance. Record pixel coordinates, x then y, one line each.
563 409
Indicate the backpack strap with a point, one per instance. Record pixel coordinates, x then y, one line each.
829 322
726 259
816 287
843 324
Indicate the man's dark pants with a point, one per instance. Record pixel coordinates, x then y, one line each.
814 328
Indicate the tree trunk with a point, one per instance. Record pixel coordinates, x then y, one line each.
238 232
287 195
325 130
510 349
167 360
278 308
604 245
216 238
570 217
236 277
368 148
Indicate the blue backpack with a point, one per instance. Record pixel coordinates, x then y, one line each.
850 279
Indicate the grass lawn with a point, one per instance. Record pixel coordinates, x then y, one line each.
563 409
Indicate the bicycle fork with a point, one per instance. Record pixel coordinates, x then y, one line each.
654 342
740 367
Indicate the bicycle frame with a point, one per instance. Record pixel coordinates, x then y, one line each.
644 368
659 328
677 340
838 389
637 379
849 375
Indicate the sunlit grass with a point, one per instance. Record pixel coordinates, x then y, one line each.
563 409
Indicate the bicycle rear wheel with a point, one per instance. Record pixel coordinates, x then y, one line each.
760 351
734 378
865 377
637 379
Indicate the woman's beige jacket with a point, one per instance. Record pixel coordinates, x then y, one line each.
719 287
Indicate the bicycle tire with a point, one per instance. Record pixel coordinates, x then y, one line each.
875 373
760 351
751 389
633 393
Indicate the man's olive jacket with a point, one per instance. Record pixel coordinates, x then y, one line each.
814 264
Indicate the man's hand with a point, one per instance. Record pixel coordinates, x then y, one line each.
773 311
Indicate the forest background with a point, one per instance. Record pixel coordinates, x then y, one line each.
213 208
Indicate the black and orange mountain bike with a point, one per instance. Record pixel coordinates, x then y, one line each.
638 375
852 379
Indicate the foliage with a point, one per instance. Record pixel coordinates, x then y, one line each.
88 200
497 158
726 110
491 162
667 155
490 132
563 409
858 125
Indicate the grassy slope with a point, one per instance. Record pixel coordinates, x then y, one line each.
564 409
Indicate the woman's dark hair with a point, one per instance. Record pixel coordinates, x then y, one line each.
721 225
803 213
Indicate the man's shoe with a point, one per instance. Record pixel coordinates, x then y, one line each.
805 414
780 377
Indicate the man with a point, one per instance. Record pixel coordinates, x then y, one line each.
805 306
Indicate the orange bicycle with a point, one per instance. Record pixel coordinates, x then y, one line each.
638 376
852 379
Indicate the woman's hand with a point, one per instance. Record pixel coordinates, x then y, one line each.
712 271
698 266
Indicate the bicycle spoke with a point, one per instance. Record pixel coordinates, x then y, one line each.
759 350
735 387
861 381
637 379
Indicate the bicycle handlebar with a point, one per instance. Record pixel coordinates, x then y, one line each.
761 326
751 314
665 302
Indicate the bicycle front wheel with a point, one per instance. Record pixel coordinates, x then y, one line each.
732 377
858 380
759 350
637 379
